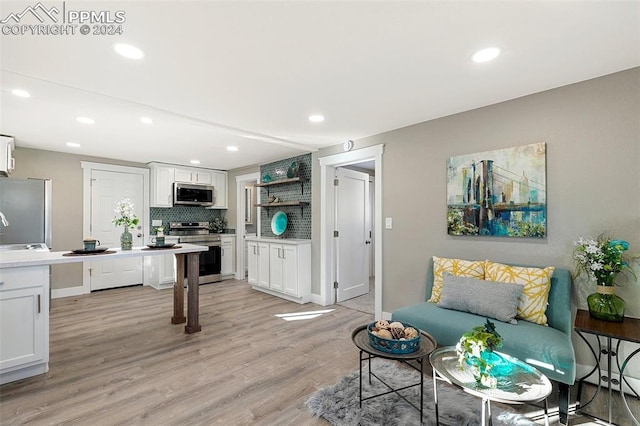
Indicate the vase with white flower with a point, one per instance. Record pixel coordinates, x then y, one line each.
602 260
124 215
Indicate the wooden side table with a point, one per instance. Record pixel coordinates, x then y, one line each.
628 330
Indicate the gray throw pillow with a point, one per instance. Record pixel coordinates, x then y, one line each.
487 298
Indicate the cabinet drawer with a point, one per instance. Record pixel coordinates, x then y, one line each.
30 276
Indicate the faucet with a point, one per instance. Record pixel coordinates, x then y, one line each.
5 222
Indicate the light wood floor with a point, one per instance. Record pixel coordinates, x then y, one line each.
117 359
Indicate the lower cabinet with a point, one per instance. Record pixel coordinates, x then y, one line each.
227 256
281 268
24 322
160 271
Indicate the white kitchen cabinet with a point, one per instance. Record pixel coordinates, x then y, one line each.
276 276
281 267
201 176
258 263
24 322
7 162
220 189
160 271
163 177
161 181
263 264
252 262
227 246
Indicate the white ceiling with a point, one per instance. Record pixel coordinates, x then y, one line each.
250 73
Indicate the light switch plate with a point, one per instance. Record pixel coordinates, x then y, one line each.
388 222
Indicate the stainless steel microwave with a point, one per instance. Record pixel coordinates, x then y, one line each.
190 194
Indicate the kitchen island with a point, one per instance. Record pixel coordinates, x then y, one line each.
24 294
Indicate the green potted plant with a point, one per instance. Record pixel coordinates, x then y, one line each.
475 351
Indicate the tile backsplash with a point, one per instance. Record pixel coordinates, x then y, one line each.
298 217
183 214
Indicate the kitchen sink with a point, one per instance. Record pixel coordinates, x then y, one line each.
31 246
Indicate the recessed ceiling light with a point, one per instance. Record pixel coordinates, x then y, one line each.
485 55
128 51
146 120
85 120
195 161
232 148
316 118
21 93
73 144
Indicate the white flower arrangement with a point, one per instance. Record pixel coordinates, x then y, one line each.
601 259
124 214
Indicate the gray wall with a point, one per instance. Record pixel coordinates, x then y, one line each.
592 131
66 174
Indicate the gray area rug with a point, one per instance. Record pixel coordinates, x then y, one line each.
339 404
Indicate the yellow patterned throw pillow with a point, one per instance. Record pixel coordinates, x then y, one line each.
457 267
536 281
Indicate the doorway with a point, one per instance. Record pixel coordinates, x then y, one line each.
328 265
355 260
247 218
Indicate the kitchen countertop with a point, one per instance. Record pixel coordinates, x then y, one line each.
21 258
280 240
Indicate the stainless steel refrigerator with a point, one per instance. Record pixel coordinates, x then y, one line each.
25 207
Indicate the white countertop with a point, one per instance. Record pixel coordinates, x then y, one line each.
19 258
279 240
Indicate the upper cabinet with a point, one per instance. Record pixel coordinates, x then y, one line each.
162 178
220 189
201 176
7 163
164 175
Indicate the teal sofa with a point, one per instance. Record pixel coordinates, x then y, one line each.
548 348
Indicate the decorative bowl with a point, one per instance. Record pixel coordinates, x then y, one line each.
279 223
394 346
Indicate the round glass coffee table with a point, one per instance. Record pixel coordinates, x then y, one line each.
360 338
518 383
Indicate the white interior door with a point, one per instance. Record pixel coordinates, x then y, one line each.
107 188
353 226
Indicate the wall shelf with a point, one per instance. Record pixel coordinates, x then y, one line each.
284 203
299 180
300 204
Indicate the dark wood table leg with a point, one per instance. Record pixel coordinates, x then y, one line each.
193 302
178 292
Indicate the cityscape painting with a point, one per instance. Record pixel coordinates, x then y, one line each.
498 193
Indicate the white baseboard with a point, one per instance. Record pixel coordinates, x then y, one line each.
317 299
67 292
582 370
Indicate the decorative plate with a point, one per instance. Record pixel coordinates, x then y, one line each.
279 223
96 250
164 246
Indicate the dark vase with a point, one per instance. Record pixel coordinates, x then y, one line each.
126 239
605 305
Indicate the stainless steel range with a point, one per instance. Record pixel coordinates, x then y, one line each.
198 233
